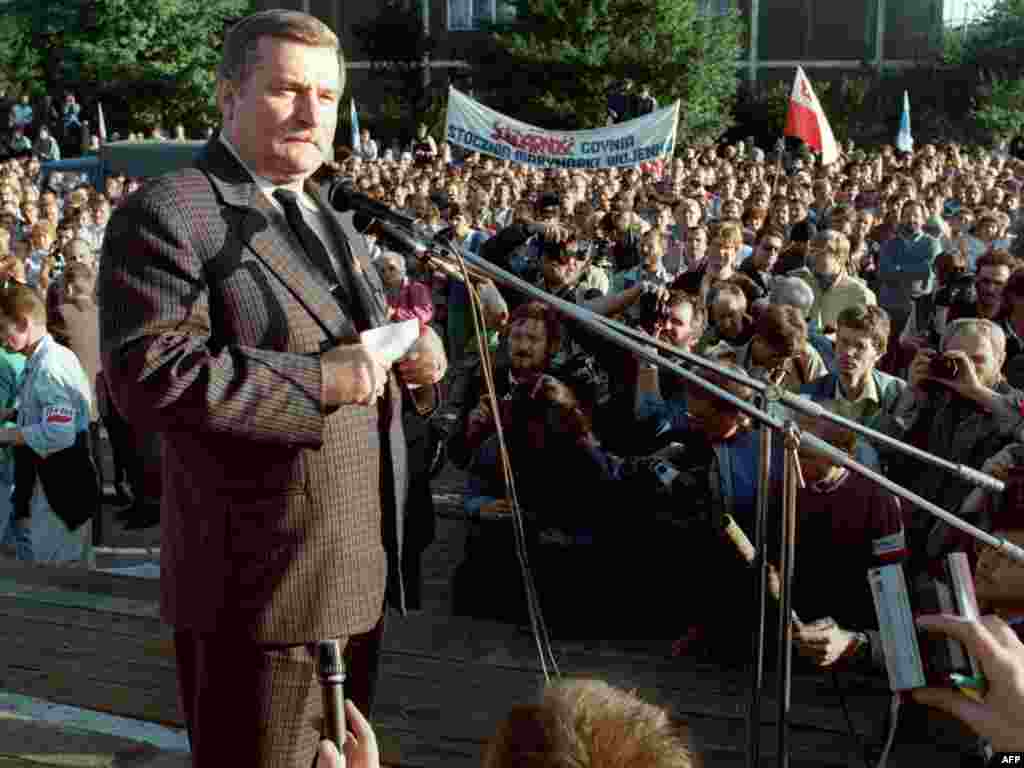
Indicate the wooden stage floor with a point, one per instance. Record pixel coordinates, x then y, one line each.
94 641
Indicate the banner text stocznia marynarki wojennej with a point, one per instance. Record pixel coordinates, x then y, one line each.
477 128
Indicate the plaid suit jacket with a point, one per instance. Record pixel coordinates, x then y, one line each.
277 519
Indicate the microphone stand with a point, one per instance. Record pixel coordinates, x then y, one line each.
760 564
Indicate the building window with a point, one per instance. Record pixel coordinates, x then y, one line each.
477 14
712 8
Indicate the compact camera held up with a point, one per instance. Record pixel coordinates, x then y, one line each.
651 312
944 367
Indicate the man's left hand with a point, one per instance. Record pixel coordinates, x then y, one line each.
426 363
966 384
823 642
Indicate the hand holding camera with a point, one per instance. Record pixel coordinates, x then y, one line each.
652 307
953 370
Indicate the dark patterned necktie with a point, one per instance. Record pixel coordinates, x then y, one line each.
340 284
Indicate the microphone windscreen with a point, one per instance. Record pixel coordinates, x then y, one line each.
329 659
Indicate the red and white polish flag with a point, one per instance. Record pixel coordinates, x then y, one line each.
806 120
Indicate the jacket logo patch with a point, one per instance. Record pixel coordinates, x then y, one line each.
59 415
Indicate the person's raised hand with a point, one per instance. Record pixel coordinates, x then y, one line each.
553 232
966 381
917 374
999 716
352 375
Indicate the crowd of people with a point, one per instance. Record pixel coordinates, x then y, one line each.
53 225
886 286
851 285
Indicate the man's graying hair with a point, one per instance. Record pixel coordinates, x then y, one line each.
976 326
242 39
793 292
391 257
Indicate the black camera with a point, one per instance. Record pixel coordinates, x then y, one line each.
960 293
943 367
650 312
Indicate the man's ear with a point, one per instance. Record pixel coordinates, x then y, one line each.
226 93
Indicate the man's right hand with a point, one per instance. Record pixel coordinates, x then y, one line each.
351 375
553 232
918 372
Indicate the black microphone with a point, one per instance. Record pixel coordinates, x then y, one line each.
342 196
404 238
331 671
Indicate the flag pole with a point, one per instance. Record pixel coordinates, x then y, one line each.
780 150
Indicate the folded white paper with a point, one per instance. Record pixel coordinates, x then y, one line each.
390 343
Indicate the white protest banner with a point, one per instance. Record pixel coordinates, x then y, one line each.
477 128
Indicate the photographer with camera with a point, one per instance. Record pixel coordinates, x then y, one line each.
534 337
518 246
993 273
956 287
660 406
958 406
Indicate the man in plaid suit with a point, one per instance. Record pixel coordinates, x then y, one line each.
224 327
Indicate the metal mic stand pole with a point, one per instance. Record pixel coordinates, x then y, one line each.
790 482
760 593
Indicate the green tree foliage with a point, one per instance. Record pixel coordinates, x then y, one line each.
994 42
1001 112
556 64
396 46
159 56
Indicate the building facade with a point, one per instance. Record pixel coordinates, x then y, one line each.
819 34
826 37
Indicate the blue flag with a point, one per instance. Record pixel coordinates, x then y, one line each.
904 141
354 119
